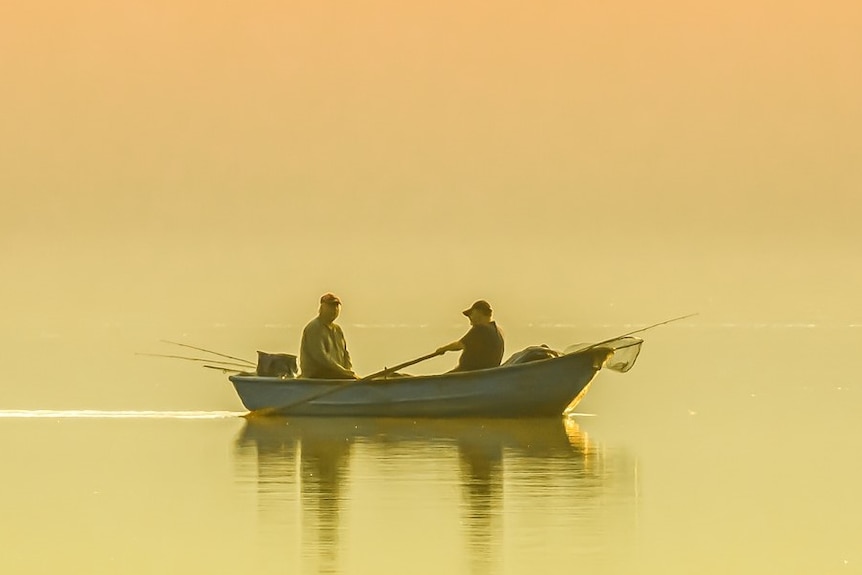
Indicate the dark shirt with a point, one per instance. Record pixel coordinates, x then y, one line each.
483 348
323 351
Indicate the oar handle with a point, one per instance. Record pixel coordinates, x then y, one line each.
389 370
336 388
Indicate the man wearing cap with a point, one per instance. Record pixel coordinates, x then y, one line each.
482 346
323 350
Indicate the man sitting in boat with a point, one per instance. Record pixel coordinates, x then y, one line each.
482 346
323 350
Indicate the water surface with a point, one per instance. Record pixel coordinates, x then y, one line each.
729 448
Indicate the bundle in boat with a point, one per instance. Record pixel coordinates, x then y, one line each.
282 365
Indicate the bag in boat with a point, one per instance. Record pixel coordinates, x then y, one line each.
276 365
532 353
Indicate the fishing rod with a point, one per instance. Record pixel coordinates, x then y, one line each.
640 330
224 369
577 348
245 361
194 359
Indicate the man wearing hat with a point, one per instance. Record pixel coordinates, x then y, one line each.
323 350
482 346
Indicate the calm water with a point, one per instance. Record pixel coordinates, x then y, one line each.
726 449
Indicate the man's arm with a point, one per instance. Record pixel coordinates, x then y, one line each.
454 346
348 363
461 343
314 345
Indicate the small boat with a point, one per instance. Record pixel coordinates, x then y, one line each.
521 387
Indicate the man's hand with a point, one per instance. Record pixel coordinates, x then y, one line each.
454 346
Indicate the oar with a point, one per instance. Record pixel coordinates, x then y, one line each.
193 359
320 394
250 363
388 370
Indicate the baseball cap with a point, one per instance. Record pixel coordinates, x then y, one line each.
481 305
330 298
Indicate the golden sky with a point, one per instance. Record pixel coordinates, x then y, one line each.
454 150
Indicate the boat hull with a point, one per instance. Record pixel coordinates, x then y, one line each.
536 389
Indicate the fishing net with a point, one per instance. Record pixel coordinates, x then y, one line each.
621 353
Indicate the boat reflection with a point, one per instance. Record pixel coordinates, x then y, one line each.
302 468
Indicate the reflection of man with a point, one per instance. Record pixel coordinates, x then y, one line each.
323 351
324 466
323 453
483 345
